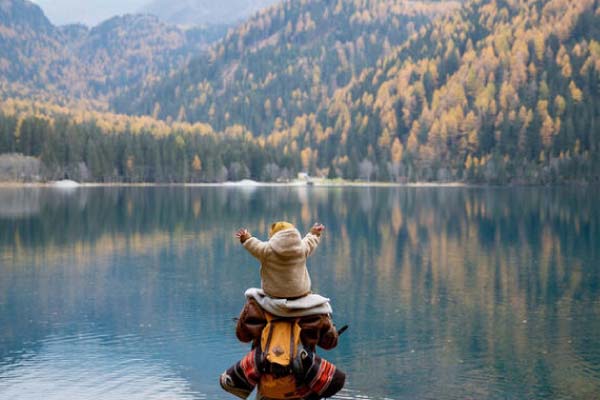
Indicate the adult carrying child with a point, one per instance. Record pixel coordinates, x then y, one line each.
285 322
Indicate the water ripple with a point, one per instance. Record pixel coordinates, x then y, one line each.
85 367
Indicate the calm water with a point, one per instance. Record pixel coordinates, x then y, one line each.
450 293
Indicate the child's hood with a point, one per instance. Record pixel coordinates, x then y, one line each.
287 243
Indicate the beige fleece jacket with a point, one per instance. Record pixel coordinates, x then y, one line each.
282 259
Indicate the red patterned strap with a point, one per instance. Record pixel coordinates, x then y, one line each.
323 378
250 368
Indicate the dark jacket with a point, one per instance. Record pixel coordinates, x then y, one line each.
316 330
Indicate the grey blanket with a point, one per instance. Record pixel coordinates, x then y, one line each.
310 304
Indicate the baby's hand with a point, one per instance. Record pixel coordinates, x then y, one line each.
243 235
317 229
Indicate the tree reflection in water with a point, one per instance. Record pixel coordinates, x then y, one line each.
450 292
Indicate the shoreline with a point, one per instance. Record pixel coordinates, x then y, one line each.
252 184
234 184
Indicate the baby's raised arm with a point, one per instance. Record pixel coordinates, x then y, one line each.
254 246
312 239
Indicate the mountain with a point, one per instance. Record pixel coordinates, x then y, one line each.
73 62
286 61
88 12
500 91
188 13
493 90
204 12
131 48
32 50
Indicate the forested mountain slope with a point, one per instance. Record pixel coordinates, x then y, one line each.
502 90
498 91
285 62
132 48
40 60
32 50
204 12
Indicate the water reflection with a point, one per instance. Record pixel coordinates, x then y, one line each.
450 292
85 366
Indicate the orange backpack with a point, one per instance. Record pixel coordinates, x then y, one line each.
280 343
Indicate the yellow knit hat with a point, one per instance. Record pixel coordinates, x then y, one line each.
279 226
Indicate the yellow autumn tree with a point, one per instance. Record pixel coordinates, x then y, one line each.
397 151
306 157
576 93
196 164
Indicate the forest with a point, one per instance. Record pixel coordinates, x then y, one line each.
489 91
104 147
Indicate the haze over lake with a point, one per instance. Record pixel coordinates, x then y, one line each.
453 293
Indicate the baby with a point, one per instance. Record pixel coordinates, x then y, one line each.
282 259
285 281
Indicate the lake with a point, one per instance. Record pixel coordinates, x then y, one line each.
450 293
